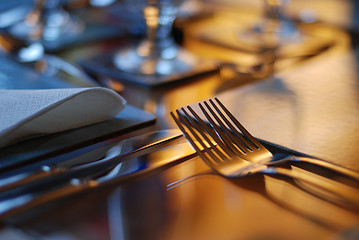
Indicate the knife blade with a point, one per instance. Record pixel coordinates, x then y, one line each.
145 142
139 166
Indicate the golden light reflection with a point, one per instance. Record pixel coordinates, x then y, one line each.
151 15
4 43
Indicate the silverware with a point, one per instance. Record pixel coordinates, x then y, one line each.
263 154
146 142
232 154
131 169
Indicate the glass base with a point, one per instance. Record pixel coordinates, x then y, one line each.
103 66
58 25
269 36
172 60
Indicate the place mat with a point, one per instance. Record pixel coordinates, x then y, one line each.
103 66
308 41
230 29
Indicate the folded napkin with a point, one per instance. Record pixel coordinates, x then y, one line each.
29 113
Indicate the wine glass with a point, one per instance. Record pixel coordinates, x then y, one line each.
157 53
275 28
47 21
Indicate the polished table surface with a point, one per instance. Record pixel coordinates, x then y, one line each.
309 106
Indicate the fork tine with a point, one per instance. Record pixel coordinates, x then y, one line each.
235 135
223 137
205 128
254 141
240 146
183 130
202 131
181 121
222 150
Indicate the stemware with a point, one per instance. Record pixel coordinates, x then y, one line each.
274 28
157 53
47 21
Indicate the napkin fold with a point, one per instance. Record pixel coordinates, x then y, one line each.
25 114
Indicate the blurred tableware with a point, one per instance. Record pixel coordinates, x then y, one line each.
157 53
275 28
96 176
47 21
242 37
227 147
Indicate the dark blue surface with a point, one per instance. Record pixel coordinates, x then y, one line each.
14 75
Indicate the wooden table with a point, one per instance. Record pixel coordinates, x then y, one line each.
205 205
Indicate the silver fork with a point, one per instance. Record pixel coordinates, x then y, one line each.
234 135
230 154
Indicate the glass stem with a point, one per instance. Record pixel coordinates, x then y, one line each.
274 9
158 32
275 15
34 17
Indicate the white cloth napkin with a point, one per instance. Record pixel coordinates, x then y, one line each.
29 113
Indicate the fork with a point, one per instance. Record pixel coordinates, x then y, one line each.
232 154
251 148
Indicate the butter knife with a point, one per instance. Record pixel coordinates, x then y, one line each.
145 142
131 169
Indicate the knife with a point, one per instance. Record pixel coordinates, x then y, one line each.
145 142
132 169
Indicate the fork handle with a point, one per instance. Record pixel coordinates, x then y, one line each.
343 193
324 164
331 166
